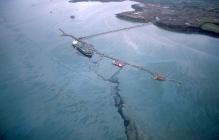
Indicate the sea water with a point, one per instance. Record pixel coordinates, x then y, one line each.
50 91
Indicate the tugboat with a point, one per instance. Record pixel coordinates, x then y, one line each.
159 77
84 48
118 63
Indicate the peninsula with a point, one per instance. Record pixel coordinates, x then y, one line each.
181 18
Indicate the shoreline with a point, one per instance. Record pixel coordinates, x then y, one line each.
186 30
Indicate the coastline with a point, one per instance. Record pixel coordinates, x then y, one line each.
183 18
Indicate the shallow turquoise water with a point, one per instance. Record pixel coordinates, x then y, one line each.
49 91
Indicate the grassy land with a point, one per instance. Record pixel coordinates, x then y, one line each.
210 27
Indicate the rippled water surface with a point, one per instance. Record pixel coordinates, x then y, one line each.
49 91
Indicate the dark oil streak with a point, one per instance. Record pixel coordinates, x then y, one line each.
130 127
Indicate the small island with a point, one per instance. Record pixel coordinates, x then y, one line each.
181 18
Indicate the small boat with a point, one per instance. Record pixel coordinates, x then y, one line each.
118 63
84 48
159 77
